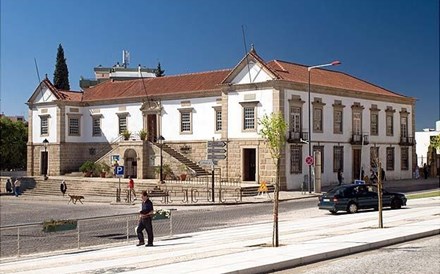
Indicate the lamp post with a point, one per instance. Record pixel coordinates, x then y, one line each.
334 63
161 139
45 143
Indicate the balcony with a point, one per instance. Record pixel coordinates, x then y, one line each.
407 141
297 137
359 139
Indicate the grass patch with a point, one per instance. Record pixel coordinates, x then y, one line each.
429 194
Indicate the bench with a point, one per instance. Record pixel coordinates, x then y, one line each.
75 198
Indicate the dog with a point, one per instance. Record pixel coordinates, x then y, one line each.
75 198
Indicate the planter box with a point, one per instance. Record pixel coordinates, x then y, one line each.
162 214
59 226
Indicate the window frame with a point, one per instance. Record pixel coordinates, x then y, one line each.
218 120
44 126
338 158
389 121
184 124
96 118
251 106
71 127
122 122
404 158
296 156
390 158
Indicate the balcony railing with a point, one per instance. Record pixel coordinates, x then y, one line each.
359 139
407 141
297 137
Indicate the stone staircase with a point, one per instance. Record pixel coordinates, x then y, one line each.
199 171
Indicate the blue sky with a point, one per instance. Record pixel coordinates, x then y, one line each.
391 43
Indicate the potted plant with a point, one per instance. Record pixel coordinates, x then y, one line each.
126 134
104 169
166 171
87 168
143 134
183 172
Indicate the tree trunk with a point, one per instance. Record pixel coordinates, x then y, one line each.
275 240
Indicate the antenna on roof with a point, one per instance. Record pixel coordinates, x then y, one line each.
36 67
125 58
246 52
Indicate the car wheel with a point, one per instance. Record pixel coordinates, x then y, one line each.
352 208
333 211
396 204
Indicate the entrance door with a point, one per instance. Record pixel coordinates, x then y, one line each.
130 163
249 164
44 161
152 127
356 163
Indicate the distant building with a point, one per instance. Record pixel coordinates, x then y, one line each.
423 140
14 118
353 122
118 72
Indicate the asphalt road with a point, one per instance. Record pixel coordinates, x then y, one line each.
415 257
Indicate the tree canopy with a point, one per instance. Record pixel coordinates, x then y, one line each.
159 71
13 144
61 74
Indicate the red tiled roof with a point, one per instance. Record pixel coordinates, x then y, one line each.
298 73
193 82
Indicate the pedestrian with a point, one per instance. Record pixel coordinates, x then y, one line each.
382 174
425 171
145 218
17 185
8 186
417 173
131 189
63 187
340 177
115 168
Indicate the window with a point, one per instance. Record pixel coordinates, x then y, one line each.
96 126
295 159
44 128
389 121
295 119
404 158
337 121
218 120
338 158
248 118
357 123
122 123
390 158
374 124
185 122
404 126
317 120
374 155
320 149
74 126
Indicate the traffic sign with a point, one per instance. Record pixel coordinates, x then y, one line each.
309 160
216 156
120 171
216 144
216 150
207 162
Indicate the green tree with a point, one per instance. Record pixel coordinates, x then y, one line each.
13 147
435 142
159 71
274 132
61 74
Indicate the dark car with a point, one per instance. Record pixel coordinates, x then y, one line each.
353 197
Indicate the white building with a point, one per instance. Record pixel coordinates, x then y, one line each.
423 140
353 121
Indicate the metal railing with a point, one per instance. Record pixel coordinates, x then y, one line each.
30 238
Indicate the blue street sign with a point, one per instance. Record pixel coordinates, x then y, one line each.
119 170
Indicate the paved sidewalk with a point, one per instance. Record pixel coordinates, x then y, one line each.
246 249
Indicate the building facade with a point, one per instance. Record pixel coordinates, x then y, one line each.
354 123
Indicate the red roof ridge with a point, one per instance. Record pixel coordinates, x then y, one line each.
192 73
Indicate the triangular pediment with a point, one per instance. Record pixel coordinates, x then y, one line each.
251 69
44 93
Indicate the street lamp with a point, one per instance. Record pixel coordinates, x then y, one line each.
161 139
334 63
45 143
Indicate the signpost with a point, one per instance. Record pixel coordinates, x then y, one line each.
216 151
119 170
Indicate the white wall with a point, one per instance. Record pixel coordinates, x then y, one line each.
203 119
235 111
52 123
257 75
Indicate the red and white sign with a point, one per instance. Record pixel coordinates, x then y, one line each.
309 160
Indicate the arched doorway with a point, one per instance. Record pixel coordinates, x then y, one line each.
130 163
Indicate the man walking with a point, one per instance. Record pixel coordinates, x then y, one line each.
145 217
